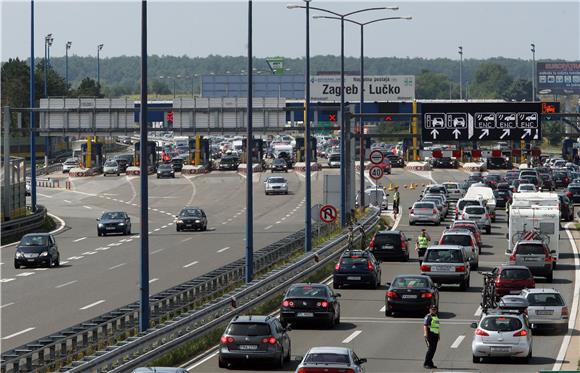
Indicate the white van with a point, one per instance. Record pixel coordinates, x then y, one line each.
486 193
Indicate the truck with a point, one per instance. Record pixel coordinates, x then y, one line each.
181 141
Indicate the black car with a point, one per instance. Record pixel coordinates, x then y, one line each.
396 161
191 218
229 162
492 180
411 293
566 207
124 161
389 245
114 222
280 165
512 175
573 192
258 338
37 249
177 164
444 162
165 170
498 163
310 303
547 182
561 179
502 197
357 267
528 179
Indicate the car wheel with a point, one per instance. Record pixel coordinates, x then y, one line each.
488 230
57 262
529 357
177 229
337 321
104 175
222 363
289 354
476 359
50 263
99 233
411 223
475 266
550 277
16 265
388 311
335 285
280 362
118 174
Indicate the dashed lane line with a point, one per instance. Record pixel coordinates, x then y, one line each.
65 284
80 239
6 305
18 333
478 312
25 274
190 264
156 251
268 227
352 336
224 249
92 305
88 207
458 341
4 280
153 280
117 266
187 239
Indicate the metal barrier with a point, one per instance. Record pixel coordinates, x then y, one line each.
142 349
25 224
46 170
84 338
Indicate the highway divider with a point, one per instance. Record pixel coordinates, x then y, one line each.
13 229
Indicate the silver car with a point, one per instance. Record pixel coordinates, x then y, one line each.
535 255
111 167
376 196
465 239
447 264
479 215
69 164
454 191
276 185
502 334
547 309
331 359
424 212
441 199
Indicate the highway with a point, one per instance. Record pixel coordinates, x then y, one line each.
397 344
99 274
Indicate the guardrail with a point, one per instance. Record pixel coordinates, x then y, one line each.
142 349
46 170
45 354
25 224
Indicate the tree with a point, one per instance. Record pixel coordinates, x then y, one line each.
88 88
160 88
15 83
491 81
519 90
430 85
554 132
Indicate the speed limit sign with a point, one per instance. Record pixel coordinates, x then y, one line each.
376 172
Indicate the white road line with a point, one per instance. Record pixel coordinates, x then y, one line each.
155 209
92 305
18 333
6 305
224 249
156 230
383 308
40 269
478 312
102 248
6 280
278 222
80 239
202 361
67 201
25 274
190 264
44 195
458 341
352 336
157 251
88 207
74 257
153 280
161 211
187 239
268 227
165 226
150 232
64 262
65 284
117 266
224 223
89 253
133 204
284 218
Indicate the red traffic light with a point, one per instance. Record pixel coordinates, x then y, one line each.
389 118
332 117
170 117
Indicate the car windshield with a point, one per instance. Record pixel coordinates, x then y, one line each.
545 299
456 239
444 256
451 186
434 200
501 324
354 261
575 188
387 239
462 204
307 291
112 216
164 166
436 190
279 162
530 249
248 329
33 241
276 180
515 274
334 157
111 164
424 205
327 358
191 212
476 210
410 282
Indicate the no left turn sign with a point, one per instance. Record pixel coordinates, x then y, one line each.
376 157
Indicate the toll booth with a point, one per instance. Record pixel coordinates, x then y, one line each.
151 154
257 153
199 151
301 151
96 155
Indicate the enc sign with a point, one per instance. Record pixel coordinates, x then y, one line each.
377 88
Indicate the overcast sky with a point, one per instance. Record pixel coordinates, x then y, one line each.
199 28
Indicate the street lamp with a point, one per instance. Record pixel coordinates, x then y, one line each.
533 49
99 47
460 72
67 47
362 77
48 39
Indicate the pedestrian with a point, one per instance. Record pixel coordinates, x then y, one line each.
432 336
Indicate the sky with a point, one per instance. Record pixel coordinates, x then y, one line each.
199 28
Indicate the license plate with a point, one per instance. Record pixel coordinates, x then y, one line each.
530 260
110 228
31 260
442 268
353 278
500 349
248 347
409 296
548 312
305 314
387 247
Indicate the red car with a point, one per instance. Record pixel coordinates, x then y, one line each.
385 165
472 226
511 279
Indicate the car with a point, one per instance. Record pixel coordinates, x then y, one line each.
512 279
396 161
498 163
258 338
526 188
435 189
561 178
111 167
229 162
472 227
573 192
566 207
355 267
478 214
377 197
501 333
492 180
279 165
390 245
411 293
454 191
447 264
424 212
463 202
502 197
547 309
547 183
159 370
444 162
114 222
465 239
165 170
69 164
177 164
438 202
37 249
191 218
511 175
535 255
123 161
276 185
334 160
385 165
331 359
310 303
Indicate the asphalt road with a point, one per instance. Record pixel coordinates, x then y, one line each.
99 274
397 344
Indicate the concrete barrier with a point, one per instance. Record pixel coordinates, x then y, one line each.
193 170
301 166
135 170
418 166
475 166
82 172
242 167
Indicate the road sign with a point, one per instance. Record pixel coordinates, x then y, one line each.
376 157
315 212
376 172
328 213
481 121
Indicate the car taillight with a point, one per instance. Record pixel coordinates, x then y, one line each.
481 332
226 339
463 216
403 244
372 243
521 333
487 216
456 211
427 295
288 303
270 340
337 266
412 211
513 257
460 269
434 211
425 268
322 304
565 311
392 294
370 266
569 194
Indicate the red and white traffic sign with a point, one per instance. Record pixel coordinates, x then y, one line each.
376 172
376 157
328 213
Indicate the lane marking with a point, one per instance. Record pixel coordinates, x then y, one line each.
25 274
40 269
278 222
224 249
4 280
352 336
67 201
88 207
458 341
165 226
156 230
117 266
383 308
64 262
75 257
89 253
65 284
44 195
202 361
268 227
224 223
18 333
153 280
190 264
478 312
6 305
92 305
157 251
187 239
80 239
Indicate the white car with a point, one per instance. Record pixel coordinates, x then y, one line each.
454 191
69 164
276 185
331 359
546 309
527 188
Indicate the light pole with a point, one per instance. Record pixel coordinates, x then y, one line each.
361 104
48 39
460 72
31 103
533 49
249 153
67 47
99 47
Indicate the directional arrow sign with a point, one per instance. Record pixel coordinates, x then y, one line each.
506 132
456 133
536 134
484 133
527 132
434 133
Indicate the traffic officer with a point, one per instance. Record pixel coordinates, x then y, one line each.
396 198
422 244
432 336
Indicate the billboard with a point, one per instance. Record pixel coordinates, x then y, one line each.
376 88
561 77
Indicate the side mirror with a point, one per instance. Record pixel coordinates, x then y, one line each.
98 219
552 251
508 251
338 295
473 325
362 361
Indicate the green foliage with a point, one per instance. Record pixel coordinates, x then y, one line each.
88 88
519 90
430 85
553 132
491 81
159 87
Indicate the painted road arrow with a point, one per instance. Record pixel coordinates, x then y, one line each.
527 132
484 133
506 132
434 133
457 133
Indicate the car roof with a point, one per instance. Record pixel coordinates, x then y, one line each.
159 370
534 242
541 291
36 234
445 247
388 233
457 231
511 266
251 318
431 202
467 222
308 284
330 350
412 275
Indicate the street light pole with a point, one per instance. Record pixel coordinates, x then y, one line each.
307 139
249 170
99 47
460 72
67 47
47 44
31 116
533 49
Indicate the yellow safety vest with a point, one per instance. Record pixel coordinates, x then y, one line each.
423 242
434 326
396 196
